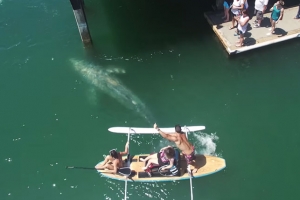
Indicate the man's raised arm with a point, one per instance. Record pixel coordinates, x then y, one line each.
165 135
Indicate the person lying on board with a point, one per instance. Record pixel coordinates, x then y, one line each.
113 161
164 156
179 138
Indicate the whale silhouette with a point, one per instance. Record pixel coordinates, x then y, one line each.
104 80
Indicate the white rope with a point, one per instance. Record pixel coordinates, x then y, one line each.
189 168
125 189
191 186
128 138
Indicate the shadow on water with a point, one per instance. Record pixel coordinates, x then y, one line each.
129 27
103 78
134 26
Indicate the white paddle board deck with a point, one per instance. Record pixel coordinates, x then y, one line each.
135 130
208 165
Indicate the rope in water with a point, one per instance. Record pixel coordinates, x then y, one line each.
125 197
189 168
128 138
191 186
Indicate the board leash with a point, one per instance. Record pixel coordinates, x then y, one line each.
189 168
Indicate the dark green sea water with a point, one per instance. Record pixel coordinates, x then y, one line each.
163 56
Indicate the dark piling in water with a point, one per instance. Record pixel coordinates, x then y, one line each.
78 9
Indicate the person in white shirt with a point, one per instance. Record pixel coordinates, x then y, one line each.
237 6
242 27
260 8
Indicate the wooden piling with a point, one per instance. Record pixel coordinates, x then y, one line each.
80 17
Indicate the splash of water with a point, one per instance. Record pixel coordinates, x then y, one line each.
204 143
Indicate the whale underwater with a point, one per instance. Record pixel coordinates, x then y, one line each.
105 80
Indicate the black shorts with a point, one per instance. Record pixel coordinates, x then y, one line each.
259 14
234 15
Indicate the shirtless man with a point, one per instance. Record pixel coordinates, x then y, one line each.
179 137
113 161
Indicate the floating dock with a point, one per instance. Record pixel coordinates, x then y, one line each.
287 28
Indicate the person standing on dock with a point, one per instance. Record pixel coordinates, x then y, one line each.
298 14
242 27
260 8
226 11
277 14
236 8
246 5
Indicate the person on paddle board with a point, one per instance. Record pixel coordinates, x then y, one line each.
113 161
165 156
179 138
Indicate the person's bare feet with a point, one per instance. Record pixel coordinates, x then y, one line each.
195 170
239 45
226 20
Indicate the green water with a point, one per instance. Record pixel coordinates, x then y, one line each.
176 71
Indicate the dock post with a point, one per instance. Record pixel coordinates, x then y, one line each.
82 25
82 2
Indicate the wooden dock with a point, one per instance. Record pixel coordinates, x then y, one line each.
287 28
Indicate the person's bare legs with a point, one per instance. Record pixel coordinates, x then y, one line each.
151 161
233 22
107 164
241 42
148 157
104 163
273 26
224 13
259 18
192 163
242 39
226 18
258 22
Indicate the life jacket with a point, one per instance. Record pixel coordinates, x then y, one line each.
175 168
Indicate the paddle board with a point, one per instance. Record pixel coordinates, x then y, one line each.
207 165
136 130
